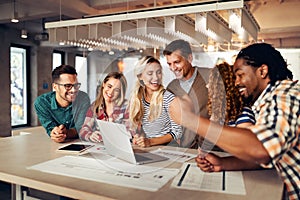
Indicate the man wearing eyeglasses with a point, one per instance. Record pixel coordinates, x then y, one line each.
62 111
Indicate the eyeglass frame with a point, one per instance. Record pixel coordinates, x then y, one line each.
69 86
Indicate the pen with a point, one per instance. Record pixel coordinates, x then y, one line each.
223 181
183 175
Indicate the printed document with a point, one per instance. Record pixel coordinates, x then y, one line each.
109 171
178 156
192 178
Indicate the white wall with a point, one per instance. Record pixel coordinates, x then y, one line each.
292 57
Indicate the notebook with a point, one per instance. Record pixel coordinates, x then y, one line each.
116 140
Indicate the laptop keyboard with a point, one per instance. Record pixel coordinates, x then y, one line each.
140 158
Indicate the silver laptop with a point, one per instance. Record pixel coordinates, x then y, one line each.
116 140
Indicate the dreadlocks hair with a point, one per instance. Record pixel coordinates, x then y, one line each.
258 54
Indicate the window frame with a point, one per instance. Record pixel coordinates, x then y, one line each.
26 74
82 77
62 57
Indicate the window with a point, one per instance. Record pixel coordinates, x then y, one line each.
292 57
81 68
18 85
57 59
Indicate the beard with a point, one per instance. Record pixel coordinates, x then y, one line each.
249 100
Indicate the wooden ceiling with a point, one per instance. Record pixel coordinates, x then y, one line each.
278 19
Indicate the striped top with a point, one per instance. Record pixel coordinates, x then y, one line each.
247 116
163 124
277 114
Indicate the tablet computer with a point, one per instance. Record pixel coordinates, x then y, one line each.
75 148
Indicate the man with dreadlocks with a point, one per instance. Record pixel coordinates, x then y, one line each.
264 80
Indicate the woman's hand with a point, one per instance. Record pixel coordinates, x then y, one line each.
141 141
96 137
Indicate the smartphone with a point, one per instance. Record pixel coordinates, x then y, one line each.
75 148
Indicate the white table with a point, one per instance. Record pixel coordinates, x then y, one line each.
19 152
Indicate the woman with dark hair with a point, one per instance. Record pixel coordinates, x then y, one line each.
225 104
110 105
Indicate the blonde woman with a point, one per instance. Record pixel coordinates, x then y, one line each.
110 105
149 106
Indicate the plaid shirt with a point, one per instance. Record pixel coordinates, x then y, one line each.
120 115
277 127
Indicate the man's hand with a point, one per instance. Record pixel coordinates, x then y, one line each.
182 110
59 133
209 162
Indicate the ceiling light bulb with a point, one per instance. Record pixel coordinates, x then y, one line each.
210 48
24 34
14 20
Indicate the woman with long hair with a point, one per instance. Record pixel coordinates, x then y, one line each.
225 104
110 105
149 106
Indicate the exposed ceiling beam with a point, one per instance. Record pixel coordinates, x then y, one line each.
150 14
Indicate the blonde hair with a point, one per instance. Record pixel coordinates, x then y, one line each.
136 109
100 102
224 99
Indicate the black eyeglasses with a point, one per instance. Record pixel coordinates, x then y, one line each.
70 86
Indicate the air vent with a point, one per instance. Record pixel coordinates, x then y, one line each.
42 37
